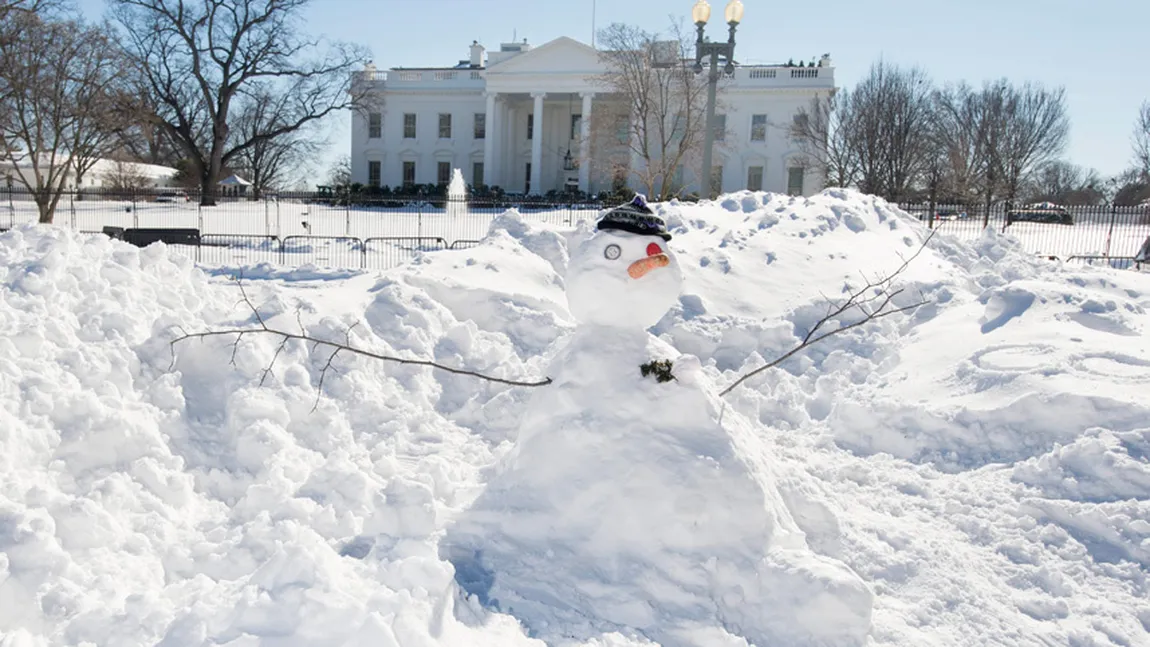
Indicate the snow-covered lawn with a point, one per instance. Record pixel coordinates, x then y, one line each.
337 231
982 464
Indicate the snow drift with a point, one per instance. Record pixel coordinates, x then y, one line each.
980 465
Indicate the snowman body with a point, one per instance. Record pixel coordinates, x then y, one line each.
625 504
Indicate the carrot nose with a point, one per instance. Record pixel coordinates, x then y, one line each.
639 268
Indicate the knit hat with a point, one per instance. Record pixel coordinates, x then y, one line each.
635 217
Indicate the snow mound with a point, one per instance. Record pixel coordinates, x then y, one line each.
971 473
193 506
1099 466
627 506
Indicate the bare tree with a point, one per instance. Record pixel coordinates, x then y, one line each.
141 137
822 131
891 117
1027 126
340 172
656 113
270 162
1129 188
1142 140
958 143
125 176
1065 183
202 58
59 80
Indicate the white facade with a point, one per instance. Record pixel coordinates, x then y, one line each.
559 80
101 175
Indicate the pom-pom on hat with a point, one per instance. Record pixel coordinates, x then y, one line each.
635 217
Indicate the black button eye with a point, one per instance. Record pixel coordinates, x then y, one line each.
612 252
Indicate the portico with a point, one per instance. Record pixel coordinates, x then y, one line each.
539 104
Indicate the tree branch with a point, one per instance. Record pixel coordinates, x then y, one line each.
857 299
337 347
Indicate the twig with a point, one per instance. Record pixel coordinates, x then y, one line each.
317 343
356 351
856 299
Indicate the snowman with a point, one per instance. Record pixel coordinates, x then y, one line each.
626 505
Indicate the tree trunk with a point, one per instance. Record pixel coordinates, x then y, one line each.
211 175
45 206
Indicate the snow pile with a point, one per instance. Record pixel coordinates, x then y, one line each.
627 506
644 510
142 505
975 472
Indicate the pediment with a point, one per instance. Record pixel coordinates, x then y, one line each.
560 56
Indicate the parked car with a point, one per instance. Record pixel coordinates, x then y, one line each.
944 213
1044 212
172 195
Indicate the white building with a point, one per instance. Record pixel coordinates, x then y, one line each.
482 116
103 174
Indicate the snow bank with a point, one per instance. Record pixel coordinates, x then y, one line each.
627 506
978 466
192 506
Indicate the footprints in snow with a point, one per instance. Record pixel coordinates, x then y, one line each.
1013 301
1041 359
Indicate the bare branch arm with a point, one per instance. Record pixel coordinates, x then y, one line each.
856 299
316 343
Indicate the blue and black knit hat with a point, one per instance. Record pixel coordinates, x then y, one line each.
635 217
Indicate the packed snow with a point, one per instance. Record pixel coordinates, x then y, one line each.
974 471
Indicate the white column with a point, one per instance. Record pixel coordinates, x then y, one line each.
508 149
537 143
490 139
585 144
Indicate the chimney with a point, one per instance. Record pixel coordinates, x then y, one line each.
476 54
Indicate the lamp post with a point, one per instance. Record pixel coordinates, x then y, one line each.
701 13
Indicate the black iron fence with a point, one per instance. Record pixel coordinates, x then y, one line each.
1097 234
294 214
377 232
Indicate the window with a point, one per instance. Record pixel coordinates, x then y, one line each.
530 126
445 125
409 125
480 125
720 127
755 178
443 172
527 180
800 122
408 173
795 180
576 126
758 128
374 125
477 173
373 173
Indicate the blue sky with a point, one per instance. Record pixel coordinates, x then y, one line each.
1099 50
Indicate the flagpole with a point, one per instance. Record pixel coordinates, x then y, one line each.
592 24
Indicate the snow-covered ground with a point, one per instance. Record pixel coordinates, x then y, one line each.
981 466
333 236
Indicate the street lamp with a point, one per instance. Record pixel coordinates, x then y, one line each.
701 13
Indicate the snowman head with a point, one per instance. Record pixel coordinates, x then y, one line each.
624 276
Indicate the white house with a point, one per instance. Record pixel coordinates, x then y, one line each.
482 116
